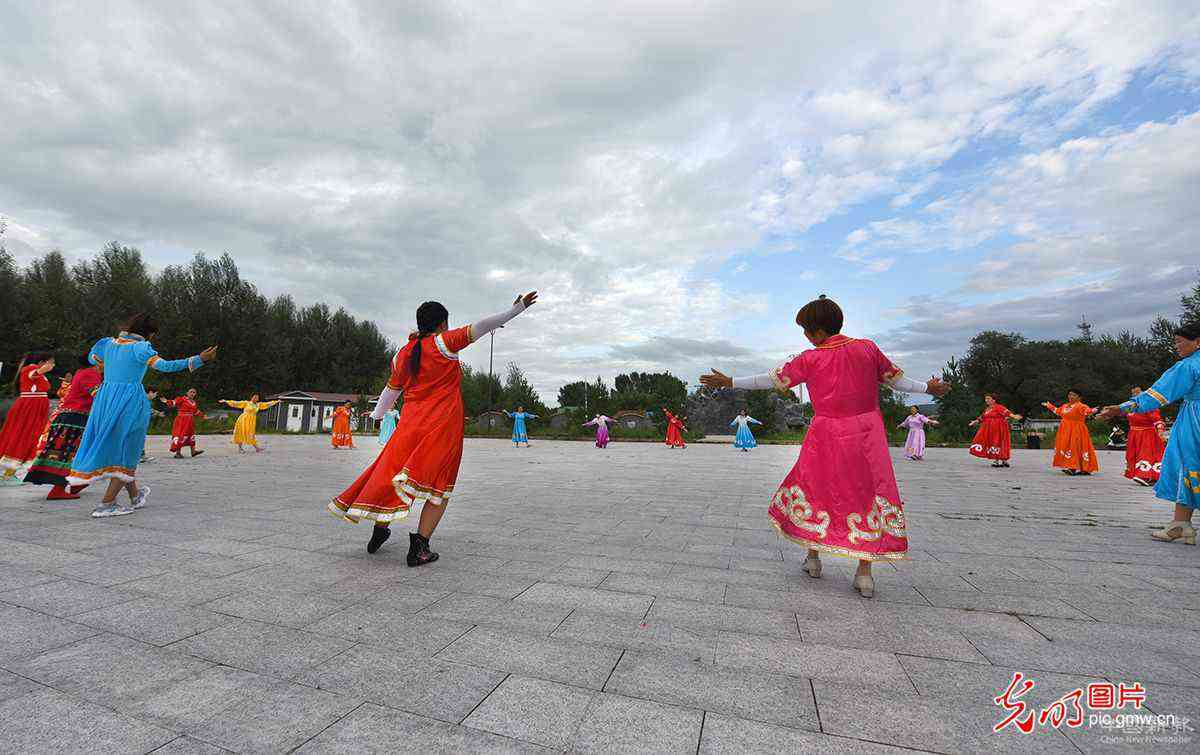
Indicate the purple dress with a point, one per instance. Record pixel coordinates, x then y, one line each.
914 445
601 423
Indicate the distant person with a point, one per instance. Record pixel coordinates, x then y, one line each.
53 463
675 430
744 439
1179 481
600 422
914 444
519 434
994 439
1146 445
183 431
341 435
27 416
245 430
387 425
1074 453
841 495
115 437
420 463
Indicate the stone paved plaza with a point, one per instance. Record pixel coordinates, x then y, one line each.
628 600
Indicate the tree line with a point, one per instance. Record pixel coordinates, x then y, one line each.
1022 372
267 345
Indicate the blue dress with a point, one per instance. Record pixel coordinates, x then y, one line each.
1179 481
744 438
115 435
518 418
387 426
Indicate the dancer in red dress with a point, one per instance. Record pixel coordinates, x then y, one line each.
994 439
1145 447
420 462
27 416
183 431
53 462
341 435
675 430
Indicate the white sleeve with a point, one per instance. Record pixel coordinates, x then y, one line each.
488 324
387 399
908 385
756 382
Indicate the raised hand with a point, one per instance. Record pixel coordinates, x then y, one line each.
208 354
528 299
937 387
716 379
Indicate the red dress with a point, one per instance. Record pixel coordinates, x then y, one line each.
341 435
1144 451
1073 447
26 419
994 439
675 430
183 432
420 461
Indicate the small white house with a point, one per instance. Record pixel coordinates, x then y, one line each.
310 411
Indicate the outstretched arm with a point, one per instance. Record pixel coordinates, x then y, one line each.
488 324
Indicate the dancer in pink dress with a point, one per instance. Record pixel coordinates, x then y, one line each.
600 421
914 444
841 495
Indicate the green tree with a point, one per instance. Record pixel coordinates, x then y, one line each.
958 407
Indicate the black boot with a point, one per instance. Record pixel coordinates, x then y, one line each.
418 551
379 536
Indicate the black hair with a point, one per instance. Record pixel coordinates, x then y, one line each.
1076 391
84 361
143 324
1190 331
33 357
430 316
820 314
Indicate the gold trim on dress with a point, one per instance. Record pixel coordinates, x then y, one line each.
838 550
842 342
1158 396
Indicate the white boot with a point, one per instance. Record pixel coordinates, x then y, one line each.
864 585
812 565
1181 531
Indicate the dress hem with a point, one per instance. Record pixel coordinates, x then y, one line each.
837 550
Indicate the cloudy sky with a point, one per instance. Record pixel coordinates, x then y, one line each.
677 178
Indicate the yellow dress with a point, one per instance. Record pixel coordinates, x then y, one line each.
243 431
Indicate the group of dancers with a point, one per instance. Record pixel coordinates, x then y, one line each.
1074 452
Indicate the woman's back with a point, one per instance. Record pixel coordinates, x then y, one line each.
843 376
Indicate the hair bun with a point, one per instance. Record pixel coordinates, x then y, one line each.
822 296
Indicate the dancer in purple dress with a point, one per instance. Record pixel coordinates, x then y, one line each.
600 421
914 445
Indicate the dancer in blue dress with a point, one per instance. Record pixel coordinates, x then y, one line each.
1179 480
518 418
744 439
387 425
115 436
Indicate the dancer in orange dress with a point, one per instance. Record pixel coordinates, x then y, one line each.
675 430
420 462
183 431
994 439
1146 445
341 435
27 417
1073 450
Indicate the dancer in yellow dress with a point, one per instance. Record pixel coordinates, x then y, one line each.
244 430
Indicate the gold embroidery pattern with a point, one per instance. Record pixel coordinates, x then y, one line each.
791 502
884 517
1190 485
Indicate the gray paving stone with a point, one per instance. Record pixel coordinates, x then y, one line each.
425 686
13 577
637 634
153 620
616 724
382 626
24 632
868 668
936 677
587 599
64 598
665 587
189 746
188 703
47 721
763 696
1130 662
291 609
107 669
187 589
372 729
276 720
12 686
273 650
727 735
558 660
533 710
938 724
728 618
534 618
1014 604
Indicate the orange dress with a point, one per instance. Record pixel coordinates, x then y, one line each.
420 462
342 438
1073 447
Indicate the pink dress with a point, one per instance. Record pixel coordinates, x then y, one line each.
914 444
841 495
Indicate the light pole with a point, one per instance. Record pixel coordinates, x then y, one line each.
491 352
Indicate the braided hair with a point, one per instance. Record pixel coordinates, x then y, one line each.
430 316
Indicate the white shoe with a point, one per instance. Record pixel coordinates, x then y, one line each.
864 585
112 509
1181 531
140 499
812 565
